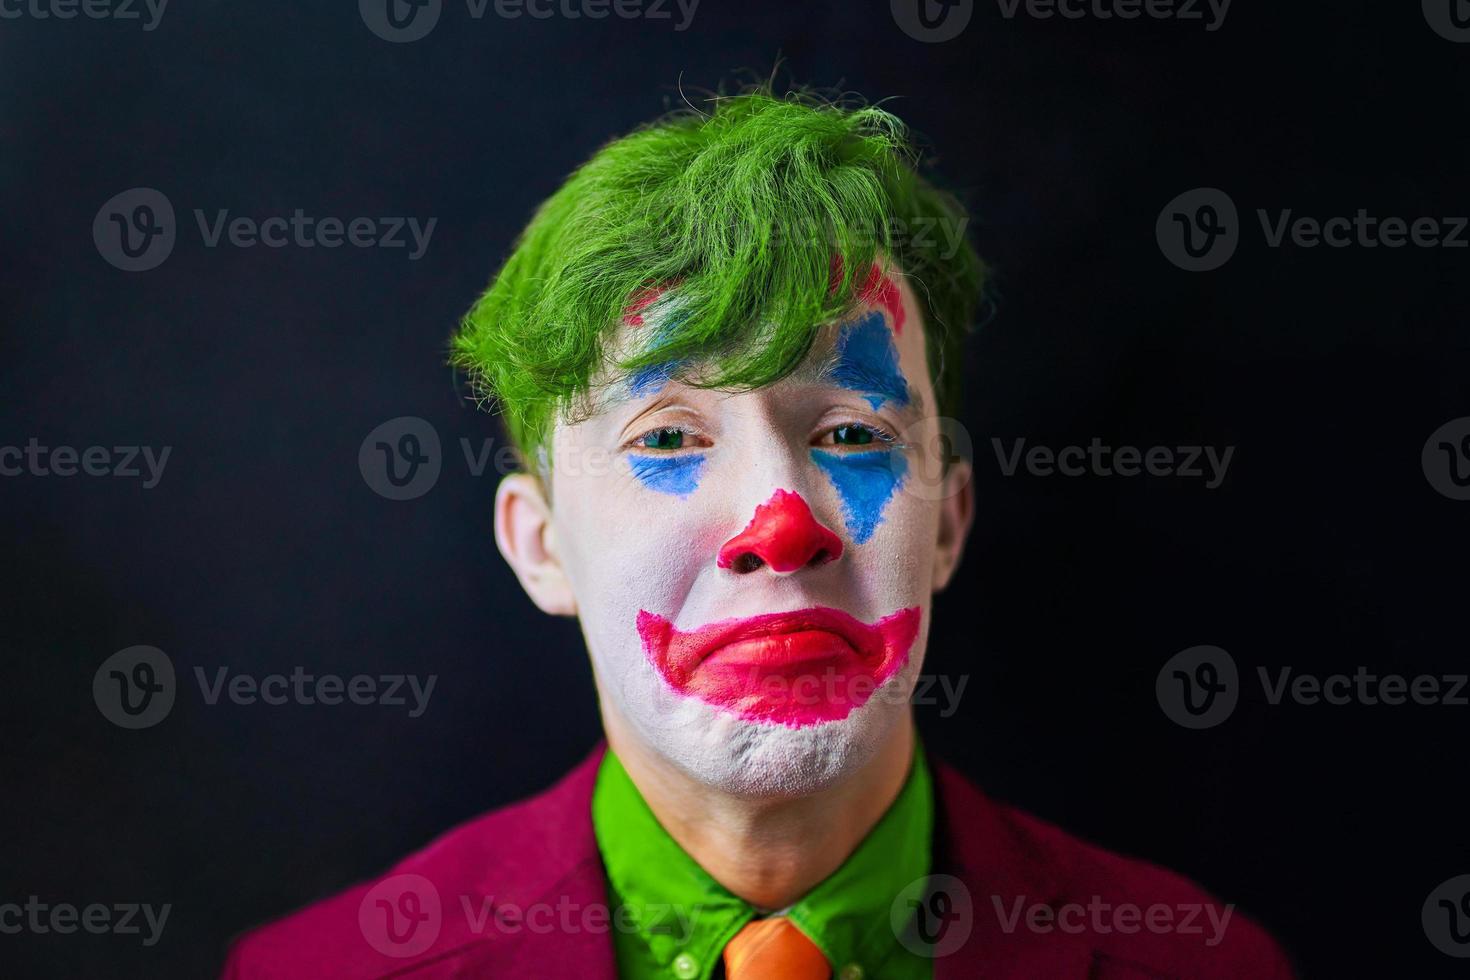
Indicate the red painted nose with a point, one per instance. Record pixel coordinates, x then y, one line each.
784 535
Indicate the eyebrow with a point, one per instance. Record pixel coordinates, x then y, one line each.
818 374
615 392
916 408
912 408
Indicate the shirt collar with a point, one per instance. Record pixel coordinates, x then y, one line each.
672 919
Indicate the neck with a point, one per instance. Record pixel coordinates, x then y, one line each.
769 852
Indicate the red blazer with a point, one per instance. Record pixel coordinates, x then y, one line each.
541 852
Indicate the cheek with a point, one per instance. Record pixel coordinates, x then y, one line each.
636 537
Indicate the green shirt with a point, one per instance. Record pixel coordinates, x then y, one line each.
672 920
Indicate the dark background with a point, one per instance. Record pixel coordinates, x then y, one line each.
263 548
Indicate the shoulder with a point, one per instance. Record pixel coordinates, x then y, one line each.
441 904
1135 919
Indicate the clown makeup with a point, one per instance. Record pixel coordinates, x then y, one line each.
677 475
752 581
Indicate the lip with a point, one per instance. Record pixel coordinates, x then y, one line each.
797 668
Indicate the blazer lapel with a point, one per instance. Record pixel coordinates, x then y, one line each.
1000 877
549 860
584 949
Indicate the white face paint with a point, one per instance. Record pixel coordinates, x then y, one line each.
648 491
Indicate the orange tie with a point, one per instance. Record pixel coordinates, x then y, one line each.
774 949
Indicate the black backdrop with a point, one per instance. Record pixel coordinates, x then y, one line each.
262 547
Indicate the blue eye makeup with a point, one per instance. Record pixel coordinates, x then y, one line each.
661 467
865 481
674 475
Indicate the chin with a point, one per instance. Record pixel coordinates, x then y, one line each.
759 759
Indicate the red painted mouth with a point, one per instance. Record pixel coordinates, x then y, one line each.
794 668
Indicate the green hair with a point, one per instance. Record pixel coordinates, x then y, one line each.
744 207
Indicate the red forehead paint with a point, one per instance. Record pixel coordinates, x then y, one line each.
784 535
877 289
794 668
880 290
642 300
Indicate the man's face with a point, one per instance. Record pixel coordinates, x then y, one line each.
753 571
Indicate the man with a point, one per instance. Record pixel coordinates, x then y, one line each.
725 347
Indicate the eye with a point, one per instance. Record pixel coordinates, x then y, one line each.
663 439
856 434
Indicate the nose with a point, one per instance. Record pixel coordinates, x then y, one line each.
784 535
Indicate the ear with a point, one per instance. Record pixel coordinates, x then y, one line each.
526 537
956 514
